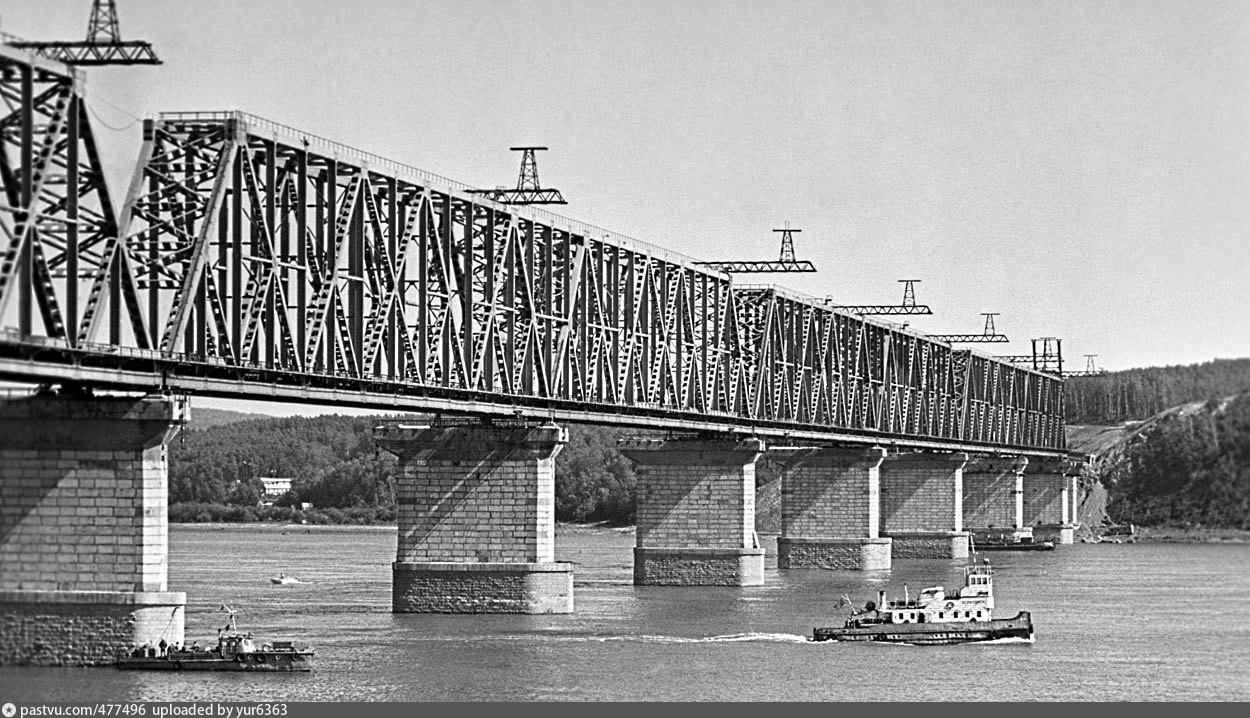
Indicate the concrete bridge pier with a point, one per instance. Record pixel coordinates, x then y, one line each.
696 512
1050 501
922 504
994 497
830 509
477 519
84 528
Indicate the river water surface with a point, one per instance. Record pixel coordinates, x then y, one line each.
1137 622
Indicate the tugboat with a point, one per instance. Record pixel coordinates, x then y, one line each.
235 651
934 618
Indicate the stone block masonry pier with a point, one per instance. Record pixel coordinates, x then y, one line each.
922 504
1051 500
84 528
696 511
477 519
830 509
994 497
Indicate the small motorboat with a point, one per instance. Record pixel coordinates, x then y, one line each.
284 580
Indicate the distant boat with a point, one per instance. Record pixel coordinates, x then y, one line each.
284 580
1006 542
1003 543
1016 546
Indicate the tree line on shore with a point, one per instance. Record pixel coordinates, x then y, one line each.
1137 394
1186 470
334 466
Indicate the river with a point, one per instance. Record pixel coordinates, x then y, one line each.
1136 622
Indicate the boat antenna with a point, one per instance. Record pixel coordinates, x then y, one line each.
230 625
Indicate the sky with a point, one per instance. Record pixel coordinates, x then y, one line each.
1080 168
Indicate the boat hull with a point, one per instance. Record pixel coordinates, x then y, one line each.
933 634
1020 546
260 661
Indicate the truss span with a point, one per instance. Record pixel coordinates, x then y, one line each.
255 261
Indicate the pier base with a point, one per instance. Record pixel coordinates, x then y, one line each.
853 554
85 628
930 544
1064 534
447 587
698 566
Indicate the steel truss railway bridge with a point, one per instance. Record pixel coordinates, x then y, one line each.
251 260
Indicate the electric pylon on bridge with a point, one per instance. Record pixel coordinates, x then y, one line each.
785 263
1049 358
527 191
908 306
987 336
103 46
1090 368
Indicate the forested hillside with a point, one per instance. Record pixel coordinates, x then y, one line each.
1187 467
1141 393
331 460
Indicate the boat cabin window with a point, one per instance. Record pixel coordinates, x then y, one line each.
941 614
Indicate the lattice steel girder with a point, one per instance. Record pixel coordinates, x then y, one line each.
971 338
93 53
257 256
753 267
58 234
522 196
885 309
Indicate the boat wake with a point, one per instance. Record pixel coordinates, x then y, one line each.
1005 641
755 638
727 638
752 637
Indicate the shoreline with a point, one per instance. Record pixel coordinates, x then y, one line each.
1142 534
1165 534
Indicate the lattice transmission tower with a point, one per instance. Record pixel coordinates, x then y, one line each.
987 336
908 306
1047 356
528 190
786 262
103 46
